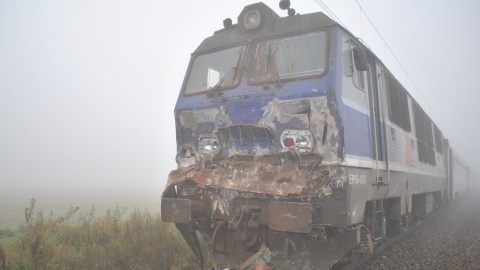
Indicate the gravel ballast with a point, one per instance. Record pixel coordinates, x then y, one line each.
449 241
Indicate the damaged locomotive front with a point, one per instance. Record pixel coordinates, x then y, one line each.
260 173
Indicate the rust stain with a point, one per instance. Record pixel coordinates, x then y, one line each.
202 176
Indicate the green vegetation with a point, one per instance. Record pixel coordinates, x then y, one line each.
139 241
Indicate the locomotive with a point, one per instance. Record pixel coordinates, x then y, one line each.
297 148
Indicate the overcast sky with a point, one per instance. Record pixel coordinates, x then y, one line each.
88 88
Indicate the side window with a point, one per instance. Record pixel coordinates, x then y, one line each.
438 139
354 82
423 128
357 76
398 103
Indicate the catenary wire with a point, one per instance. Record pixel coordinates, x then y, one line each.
332 14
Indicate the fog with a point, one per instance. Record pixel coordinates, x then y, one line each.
88 88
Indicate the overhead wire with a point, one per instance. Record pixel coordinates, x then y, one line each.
330 13
402 67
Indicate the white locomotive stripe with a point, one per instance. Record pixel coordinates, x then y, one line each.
355 161
362 162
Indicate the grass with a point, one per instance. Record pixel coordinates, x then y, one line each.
113 241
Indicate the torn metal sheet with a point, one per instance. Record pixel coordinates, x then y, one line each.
284 112
246 175
191 119
290 216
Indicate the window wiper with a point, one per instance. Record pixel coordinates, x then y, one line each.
221 81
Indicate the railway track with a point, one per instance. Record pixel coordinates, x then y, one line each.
389 242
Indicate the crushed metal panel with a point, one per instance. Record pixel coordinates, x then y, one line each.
176 210
290 216
191 119
284 112
249 175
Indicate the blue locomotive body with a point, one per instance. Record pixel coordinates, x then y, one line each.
297 149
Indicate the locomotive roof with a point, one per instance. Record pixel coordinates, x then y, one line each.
270 24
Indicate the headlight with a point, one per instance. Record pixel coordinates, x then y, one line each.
252 19
302 140
209 146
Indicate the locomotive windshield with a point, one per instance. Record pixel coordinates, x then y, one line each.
212 68
291 57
